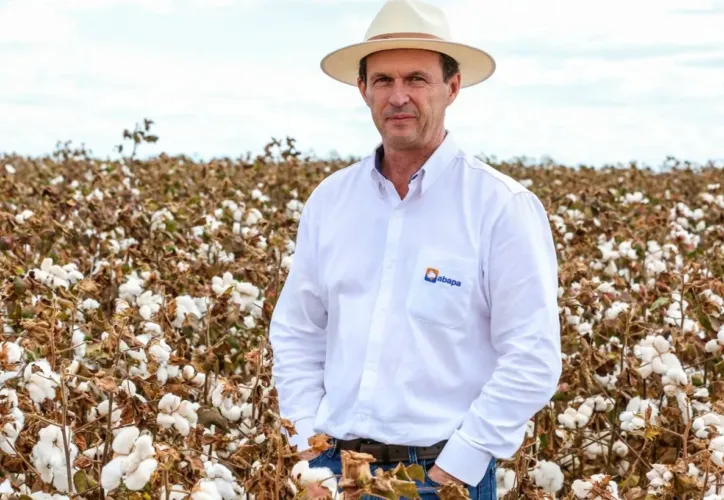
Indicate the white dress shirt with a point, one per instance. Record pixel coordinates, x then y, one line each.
423 319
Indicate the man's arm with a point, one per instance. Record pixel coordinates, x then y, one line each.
525 330
297 334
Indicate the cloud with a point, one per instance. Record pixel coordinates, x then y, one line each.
24 23
581 82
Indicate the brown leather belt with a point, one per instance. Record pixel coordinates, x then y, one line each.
390 452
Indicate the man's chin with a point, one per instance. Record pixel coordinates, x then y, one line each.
400 140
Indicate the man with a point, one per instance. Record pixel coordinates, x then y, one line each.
420 310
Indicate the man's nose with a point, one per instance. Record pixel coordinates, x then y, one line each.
399 95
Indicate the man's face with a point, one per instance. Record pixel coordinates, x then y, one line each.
407 96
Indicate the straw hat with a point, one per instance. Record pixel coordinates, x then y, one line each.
409 24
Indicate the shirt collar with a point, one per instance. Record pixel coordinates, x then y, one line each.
431 169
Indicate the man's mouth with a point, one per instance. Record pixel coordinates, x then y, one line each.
401 117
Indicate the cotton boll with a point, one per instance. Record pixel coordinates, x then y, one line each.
40 384
138 478
506 480
10 353
176 492
662 345
179 414
581 488
548 476
169 403
712 346
620 448
124 440
49 457
112 473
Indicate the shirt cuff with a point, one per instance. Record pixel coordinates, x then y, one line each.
305 430
459 459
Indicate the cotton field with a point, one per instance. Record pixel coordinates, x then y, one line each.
135 298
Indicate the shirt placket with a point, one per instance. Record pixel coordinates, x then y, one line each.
381 311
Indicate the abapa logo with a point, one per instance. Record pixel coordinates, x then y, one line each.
433 276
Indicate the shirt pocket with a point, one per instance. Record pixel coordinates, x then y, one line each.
441 287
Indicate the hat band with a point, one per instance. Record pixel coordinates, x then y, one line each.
387 36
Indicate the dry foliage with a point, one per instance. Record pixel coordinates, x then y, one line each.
135 298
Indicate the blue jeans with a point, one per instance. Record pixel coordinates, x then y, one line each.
486 489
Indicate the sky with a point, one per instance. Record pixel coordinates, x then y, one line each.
580 82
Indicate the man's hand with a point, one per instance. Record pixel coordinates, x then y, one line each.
308 454
440 476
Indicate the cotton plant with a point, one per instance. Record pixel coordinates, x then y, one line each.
232 400
305 475
185 304
100 412
40 381
133 461
11 357
660 479
573 418
547 476
49 456
633 418
615 310
676 315
12 421
506 480
716 446
159 219
657 356
191 375
714 346
589 488
24 216
177 413
74 382
294 209
703 425
175 492
245 294
715 300
148 304
219 484
55 276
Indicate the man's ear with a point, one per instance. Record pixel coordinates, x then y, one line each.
454 88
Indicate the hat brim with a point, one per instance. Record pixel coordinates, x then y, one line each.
476 65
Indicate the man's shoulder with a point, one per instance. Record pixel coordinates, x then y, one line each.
336 182
339 178
492 177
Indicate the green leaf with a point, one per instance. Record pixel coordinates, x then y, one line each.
705 321
415 472
82 482
661 301
543 441
405 489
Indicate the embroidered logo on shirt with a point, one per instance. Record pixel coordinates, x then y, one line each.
433 276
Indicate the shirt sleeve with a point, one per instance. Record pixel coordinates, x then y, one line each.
522 285
297 334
